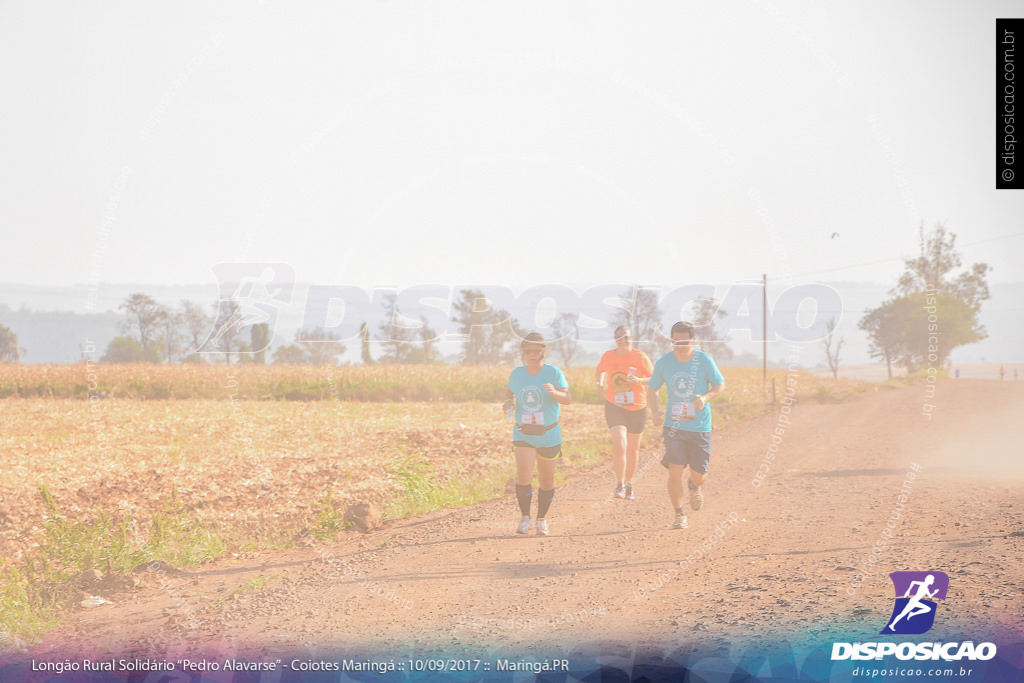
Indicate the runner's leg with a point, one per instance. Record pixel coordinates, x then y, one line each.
545 485
525 458
675 485
619 460
632 454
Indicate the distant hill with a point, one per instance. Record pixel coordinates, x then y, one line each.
58 336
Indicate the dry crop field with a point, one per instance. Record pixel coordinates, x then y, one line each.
106 465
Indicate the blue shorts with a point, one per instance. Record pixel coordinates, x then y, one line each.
689 449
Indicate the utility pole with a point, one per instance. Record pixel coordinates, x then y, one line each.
764 332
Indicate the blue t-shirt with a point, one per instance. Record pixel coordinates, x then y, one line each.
534 405
684 381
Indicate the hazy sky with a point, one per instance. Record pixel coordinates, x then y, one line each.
396 142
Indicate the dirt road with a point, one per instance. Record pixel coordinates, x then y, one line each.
803 556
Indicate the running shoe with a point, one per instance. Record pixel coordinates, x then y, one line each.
628 493
524 525
680 522
542 527
697 497
620 491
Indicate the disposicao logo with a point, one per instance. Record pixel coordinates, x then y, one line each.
912 614
916 595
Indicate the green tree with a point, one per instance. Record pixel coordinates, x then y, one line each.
934 270
404 343
933 309
9 351
292 354
128 350
934 325
491 336
322 347
885 332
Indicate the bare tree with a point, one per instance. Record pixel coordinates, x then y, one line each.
832 355
643 316
566 337
170 335
195 323
704 324
144 318
226 329
364 336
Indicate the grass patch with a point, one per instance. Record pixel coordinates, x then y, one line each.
419 491
32 596
286 383
329 518
254 584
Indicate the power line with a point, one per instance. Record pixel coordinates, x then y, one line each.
856 265
889 260
1012 234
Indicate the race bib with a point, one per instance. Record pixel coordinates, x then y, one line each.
683 412
624 398
532 419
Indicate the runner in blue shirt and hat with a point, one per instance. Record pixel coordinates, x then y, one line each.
692 380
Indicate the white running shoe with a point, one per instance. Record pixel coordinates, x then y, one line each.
524 525
697 497
542 527
680 522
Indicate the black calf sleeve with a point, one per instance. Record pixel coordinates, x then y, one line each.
544 499
524 494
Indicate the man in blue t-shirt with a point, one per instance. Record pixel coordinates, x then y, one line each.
691 380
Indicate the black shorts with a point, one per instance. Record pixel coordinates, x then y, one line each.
545 452
633 420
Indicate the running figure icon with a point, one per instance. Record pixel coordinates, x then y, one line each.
915 606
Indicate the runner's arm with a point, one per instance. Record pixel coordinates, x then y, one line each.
652 401
710 394
561 395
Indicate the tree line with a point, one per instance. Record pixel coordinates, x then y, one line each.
934 308
152 332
